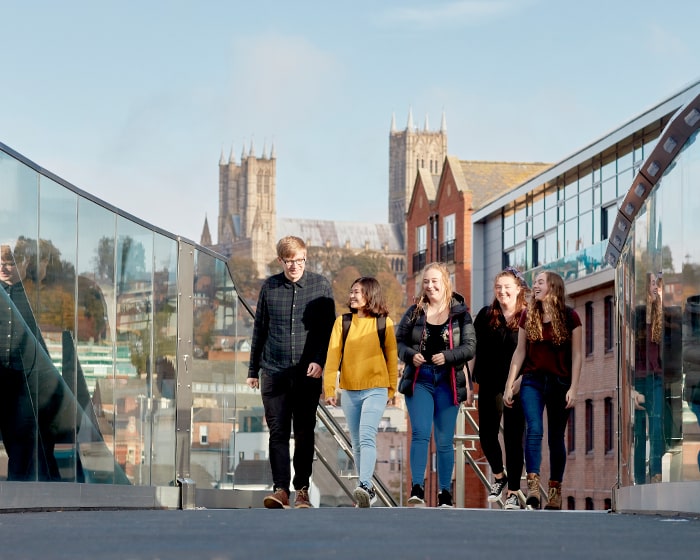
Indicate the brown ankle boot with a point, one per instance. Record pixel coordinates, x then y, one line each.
533 491
554 497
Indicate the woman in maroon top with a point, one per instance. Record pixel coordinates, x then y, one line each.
548 356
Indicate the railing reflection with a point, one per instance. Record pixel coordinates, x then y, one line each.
576 265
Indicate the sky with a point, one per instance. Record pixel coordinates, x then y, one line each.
135 101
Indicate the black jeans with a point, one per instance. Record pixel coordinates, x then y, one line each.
290 399
491 410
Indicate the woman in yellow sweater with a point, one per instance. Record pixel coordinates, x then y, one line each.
368 376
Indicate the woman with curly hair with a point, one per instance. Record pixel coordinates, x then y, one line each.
649 383
548 357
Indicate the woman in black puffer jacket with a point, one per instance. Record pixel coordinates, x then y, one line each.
435 341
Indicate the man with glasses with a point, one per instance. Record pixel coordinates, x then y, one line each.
293 321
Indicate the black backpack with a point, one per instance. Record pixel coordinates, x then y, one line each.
381 333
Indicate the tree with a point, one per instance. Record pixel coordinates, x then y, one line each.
341 285
393 293
245 276
369 263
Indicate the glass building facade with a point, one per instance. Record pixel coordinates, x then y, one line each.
617 221
124 363
653 247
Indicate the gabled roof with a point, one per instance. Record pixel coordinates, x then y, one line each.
425 182
316 233
490 179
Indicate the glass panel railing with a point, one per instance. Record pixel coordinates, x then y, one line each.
576 265
93 327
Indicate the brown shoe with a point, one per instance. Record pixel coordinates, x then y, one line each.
554 497
533 491
302 498
279 499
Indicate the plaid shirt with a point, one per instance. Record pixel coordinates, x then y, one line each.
293 322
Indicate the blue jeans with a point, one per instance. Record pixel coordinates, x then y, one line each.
537 392
363 411
432 403
650 419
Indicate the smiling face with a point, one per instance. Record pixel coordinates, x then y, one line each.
8 269
433 286
540 288
357 297
294 265
506 291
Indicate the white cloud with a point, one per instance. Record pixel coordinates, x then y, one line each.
664 43
461 12
278 80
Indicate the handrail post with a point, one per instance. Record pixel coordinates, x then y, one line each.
459 459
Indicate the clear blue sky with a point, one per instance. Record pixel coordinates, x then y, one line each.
134 101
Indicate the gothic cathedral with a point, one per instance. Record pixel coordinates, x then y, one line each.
247 207
409 150
248 225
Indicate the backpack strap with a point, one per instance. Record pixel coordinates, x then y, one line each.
347 321
381 333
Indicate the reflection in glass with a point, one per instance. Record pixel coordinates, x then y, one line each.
131 386
158 460
659 400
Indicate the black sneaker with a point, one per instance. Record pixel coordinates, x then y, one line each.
512 502
417 496
445 499
497 488
364 496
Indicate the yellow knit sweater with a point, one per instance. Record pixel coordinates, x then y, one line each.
364 366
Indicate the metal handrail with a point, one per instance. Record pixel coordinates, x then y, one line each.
343 441
460 438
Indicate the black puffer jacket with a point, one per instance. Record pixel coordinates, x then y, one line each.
410 332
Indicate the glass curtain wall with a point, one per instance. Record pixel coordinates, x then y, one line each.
658 282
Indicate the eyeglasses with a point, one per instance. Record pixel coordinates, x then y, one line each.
297 262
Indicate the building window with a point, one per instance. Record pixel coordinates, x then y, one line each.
589 426
204 435
589 503
447 248
422 237
421 249
571 503
448 226
609 431
609 322
589 328
607 219
608 504
571 431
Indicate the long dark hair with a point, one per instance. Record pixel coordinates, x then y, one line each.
372 292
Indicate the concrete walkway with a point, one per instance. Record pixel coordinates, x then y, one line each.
345 533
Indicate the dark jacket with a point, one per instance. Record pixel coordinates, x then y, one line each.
408 337
494 350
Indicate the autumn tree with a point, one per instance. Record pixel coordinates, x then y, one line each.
245 276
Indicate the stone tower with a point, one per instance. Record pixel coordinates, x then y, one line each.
410 150
247 207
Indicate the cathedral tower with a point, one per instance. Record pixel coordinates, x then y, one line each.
409 150
247 208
